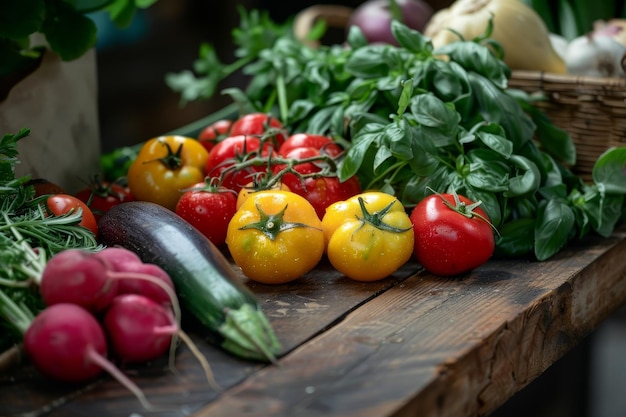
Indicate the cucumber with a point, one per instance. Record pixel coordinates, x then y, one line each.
205 282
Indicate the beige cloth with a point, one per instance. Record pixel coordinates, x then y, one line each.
58 103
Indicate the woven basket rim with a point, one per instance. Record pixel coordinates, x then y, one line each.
546 77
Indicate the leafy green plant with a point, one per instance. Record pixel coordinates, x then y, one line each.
28 238
65 24
572 18
413 122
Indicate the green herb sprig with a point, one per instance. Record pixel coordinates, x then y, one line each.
28 238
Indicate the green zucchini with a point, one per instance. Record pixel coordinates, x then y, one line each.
205 282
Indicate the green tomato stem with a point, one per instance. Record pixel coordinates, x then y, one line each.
376 218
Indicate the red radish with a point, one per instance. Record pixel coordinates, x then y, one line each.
63 341
116 258
66 342
130 284
139 328
92 279
75 276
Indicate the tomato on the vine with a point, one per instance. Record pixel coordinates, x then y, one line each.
100 196
261 125
231 151
43 187
275 237
255 187
164 167
214 133
453 234
209 209
322 143
62 204
368 236
324 191
320 190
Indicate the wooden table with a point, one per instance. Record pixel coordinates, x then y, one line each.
413 344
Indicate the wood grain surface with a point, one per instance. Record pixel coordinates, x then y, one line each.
412 344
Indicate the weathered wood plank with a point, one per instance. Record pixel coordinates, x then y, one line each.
443 347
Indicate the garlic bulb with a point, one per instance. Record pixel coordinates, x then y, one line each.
517 27
596 56
559 44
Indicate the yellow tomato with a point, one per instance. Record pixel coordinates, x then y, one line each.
164 167
369 236
251 188
275 237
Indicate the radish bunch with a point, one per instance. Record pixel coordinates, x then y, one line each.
101 304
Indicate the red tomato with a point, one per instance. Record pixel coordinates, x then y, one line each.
321 192
230 151
293 181
214 133
60 204
451 236
306 140
208 209
260 125
42 187
100 196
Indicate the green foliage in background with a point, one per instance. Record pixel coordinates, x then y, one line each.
572 18
65 24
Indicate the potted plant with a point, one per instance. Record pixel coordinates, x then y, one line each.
48 82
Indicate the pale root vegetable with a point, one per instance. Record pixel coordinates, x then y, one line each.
66 342
595 55
516 27
139 328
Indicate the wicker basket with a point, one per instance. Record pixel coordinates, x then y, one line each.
591 109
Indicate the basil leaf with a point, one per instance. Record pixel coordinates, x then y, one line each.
496 106
410 39
487 171
492 135
399 140
515 238
610 170
356 39
554 140
361 143
69 33
528 181
555 221
320 121
20 18
476 58
430 111
369 62
383 154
